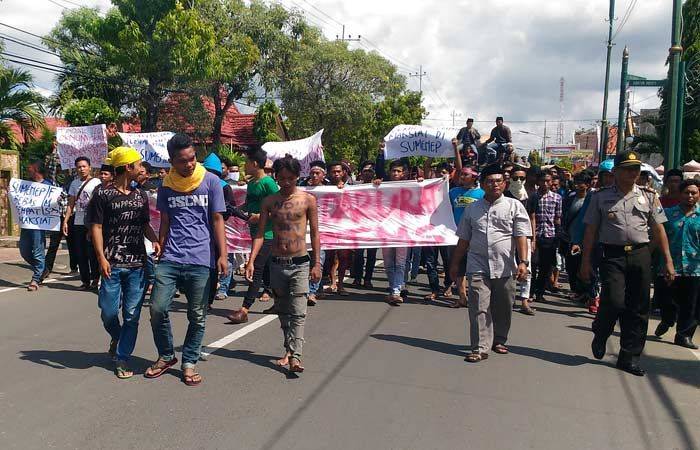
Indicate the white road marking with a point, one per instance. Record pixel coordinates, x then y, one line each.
50 280
224 341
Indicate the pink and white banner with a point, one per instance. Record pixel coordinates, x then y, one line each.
398 214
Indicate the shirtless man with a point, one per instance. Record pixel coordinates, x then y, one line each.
289 210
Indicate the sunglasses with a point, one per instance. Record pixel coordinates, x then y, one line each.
518 178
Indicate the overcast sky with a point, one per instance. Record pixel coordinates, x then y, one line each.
483 58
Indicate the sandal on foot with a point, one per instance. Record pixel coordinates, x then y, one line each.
527 310
159 368
192 380
295 365
500 349
476 357
33 286
122 371
431 298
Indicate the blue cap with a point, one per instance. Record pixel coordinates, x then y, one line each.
606 166
213 164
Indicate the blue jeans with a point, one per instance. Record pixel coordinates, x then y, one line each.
314 286
394 265
197 283
431 266
124 287
225 281
412 262
31 247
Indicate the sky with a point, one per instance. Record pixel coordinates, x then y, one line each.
482 58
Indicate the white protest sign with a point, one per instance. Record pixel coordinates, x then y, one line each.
417 140
152 146
305 150
35 205
73 142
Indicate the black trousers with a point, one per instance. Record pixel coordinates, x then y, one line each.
87 259
369 263
431 266
72 255
664 298
54 242
260 263
573 264
626 281
684 291
546 260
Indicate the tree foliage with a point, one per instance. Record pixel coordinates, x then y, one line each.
90 111
265 125
20 104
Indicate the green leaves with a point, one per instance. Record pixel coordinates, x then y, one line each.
90 111
18 103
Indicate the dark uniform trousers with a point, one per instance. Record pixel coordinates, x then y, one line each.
626 281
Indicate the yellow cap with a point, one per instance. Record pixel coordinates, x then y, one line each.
121 156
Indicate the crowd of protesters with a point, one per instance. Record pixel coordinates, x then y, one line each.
520 228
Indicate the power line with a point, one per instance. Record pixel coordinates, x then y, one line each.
27 44
413 68
58 4
321 11
625 18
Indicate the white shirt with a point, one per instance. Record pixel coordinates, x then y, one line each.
81 203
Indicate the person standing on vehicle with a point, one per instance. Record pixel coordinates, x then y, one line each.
500 138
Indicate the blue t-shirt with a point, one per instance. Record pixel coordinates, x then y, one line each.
191 236
461 197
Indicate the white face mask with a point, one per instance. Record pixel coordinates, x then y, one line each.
235 176
516 185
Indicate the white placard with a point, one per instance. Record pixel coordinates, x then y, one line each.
35 205
74 142
417 140
305 150
152 146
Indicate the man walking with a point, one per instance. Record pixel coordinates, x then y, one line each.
33 241
260 187
193 243
620 218
492 233
289 211
119 219
80 192
545 210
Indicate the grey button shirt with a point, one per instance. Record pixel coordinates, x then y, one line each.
490 229
624 219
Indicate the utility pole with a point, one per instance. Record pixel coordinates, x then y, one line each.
681 113
623 102
454 115
671 160
420 74
347 39
544 142
604 121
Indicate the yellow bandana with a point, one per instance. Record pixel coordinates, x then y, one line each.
182 184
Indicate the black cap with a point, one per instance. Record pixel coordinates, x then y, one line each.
107 168
628 159
491 169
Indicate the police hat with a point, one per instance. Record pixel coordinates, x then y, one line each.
628 159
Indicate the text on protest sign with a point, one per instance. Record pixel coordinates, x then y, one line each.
152 146
403 214
35 205
305 150
74 142
417 140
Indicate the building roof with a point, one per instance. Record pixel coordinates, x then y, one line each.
51 124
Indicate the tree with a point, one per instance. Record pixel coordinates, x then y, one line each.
91 111
20 104
534 158
131 56
265 125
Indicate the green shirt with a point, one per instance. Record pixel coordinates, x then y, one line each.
257 191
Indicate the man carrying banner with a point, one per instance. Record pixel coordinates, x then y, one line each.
338 176
119 219
80 192
289 211
259 187
317 177
193 243
32 242
493 231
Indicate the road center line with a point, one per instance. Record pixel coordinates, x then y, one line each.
224 341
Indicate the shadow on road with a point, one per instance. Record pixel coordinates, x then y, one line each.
79 360
436 346
265 361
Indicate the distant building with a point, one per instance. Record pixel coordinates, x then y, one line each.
586 139
644 122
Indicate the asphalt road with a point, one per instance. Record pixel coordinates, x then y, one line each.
377 377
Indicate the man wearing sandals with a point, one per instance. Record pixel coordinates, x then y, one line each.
493 231
119 218
193 242
289 211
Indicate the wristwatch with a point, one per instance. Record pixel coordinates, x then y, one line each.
522 261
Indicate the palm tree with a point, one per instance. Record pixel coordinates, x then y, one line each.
18 104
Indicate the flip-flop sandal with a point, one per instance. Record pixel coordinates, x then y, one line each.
527 311
123 372
500 349
295 368
266 296
476 357
189 379
158 371
33 286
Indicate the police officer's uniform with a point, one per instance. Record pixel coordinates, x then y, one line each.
623 222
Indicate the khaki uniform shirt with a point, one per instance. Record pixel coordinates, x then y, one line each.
624 219
490 229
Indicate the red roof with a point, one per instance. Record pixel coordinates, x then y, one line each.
51 124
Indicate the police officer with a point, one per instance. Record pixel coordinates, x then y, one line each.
620 217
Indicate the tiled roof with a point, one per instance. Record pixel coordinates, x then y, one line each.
51 124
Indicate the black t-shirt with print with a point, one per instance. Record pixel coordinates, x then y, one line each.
123 218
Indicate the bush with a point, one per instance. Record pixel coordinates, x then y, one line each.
91 111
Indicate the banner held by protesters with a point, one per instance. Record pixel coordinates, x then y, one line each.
152 146
89 141
417 140
35 205
305 150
